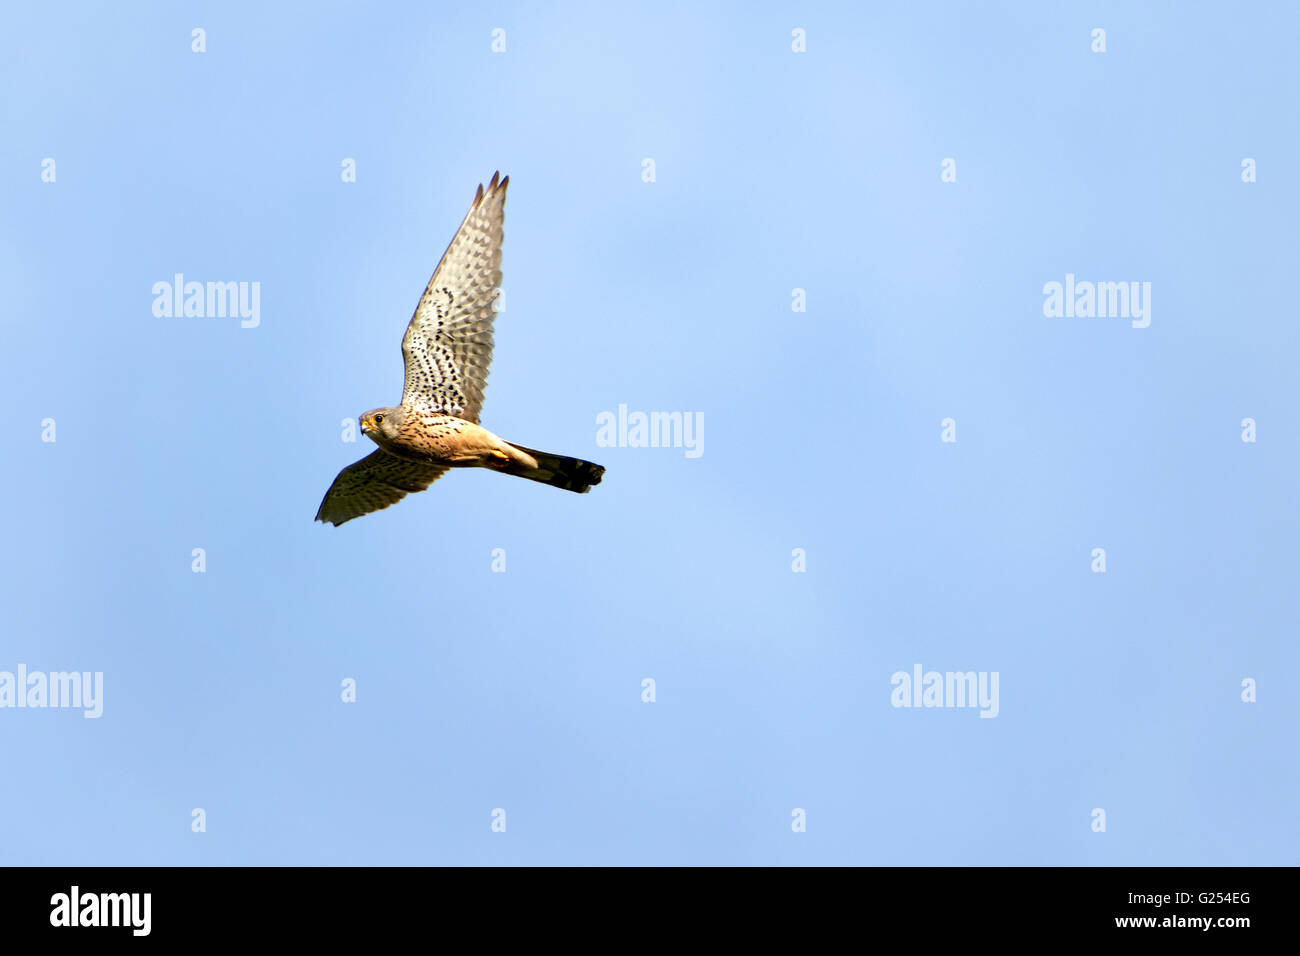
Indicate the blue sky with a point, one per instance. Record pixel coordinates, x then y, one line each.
522 690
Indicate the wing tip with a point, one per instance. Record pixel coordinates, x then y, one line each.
497 184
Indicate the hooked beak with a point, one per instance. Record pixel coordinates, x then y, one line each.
366 425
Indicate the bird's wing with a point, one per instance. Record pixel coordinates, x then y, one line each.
448 345
374 482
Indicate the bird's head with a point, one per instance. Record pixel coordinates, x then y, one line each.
381 425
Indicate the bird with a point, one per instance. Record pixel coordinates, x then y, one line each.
447 350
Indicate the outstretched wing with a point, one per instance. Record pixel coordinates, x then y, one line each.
374 482
448 345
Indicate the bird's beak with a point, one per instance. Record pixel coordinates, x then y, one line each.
365 426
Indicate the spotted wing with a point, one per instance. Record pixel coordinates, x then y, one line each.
374 482
448 345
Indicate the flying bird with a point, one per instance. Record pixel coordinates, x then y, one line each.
447 349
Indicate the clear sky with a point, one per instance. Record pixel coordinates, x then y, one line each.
774 170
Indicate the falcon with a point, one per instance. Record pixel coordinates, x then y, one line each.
447 350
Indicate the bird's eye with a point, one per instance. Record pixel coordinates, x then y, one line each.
379 419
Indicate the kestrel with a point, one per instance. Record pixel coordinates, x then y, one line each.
447 349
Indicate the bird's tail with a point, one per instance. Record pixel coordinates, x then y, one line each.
571 474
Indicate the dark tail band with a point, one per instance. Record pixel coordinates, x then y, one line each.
571 474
